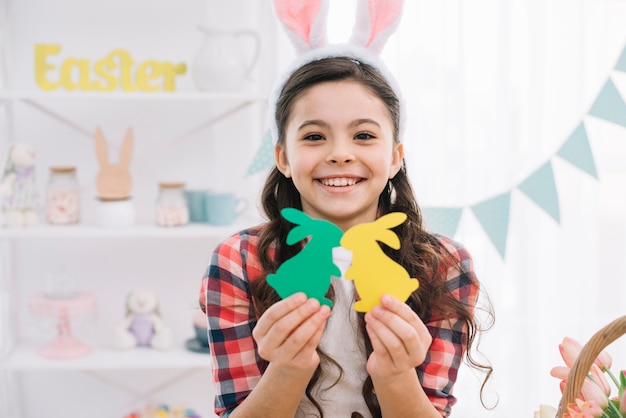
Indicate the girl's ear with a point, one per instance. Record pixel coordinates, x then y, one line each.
280 155
397 157
375 21
304 22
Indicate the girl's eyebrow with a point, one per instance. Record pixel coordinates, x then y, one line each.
354 123
316 122
362 121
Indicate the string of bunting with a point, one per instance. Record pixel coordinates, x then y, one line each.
493 213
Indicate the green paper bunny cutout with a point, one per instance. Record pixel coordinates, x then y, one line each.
310 271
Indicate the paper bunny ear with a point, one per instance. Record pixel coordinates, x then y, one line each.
375 21
304 22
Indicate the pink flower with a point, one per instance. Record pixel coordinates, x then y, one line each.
592 392
622 402
570 350
594 389
560 372
597 376
604 361
583 409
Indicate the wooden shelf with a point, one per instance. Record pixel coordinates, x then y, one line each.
25 356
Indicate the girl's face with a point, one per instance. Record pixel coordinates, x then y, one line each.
339 151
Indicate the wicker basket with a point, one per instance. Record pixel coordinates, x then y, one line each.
587 356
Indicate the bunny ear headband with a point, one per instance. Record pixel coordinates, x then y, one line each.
305 24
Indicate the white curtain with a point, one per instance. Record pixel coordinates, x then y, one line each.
494 88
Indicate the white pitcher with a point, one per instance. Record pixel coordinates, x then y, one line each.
223 63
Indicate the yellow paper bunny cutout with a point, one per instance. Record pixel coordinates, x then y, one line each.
372 271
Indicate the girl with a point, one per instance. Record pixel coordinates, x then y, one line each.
339 158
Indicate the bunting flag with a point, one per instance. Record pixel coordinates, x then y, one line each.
442 220
609 105
576 151
264 157
493 215
541 188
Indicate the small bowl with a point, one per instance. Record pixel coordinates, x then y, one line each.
202 335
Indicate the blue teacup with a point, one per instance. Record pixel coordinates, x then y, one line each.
196 202
223 208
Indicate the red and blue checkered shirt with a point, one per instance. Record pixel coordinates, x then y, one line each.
237 366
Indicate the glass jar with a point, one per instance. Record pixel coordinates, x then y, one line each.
172 205
63 197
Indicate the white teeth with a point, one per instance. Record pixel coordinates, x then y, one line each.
339 181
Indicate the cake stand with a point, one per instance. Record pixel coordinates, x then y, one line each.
64 346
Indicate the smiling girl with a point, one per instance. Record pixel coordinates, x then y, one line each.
339 157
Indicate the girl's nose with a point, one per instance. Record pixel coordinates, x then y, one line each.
341 152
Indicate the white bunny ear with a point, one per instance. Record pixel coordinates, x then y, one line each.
304 22
375 21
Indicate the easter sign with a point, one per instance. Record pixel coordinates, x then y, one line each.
115 71
373 272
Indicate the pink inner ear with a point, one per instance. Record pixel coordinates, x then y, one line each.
298 16
382 14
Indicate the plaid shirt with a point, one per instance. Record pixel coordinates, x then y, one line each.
237 366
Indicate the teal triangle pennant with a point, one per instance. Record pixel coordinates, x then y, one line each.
609 105
264 157
493 215
576 151
621 62
442 220
541 189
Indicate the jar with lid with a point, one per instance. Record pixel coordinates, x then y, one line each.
172 207
62 196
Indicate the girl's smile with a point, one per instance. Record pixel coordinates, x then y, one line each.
339 151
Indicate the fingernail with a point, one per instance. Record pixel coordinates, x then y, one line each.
324 311
377 311
313 304
300 297
386 299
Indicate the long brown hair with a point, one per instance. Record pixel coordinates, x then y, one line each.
421 253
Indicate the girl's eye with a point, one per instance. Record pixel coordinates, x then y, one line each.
313 137
364 135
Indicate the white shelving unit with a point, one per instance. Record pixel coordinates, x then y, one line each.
188 125
25 356
136 231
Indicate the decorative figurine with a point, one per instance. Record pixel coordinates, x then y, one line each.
143 326
113 183
18 188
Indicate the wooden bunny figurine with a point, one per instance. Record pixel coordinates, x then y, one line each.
142 326
372 271
310 271
18 188
113 181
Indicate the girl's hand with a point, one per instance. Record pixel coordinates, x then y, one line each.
400 340
288 333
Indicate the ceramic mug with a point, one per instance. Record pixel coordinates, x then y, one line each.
223 208
196 202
